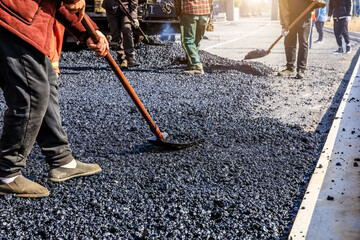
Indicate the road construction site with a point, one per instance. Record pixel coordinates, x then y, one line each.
264 136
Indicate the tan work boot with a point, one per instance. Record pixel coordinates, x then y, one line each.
286 72
194 69
132 63
23 187
60 174
123 64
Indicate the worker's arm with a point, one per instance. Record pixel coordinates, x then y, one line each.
331 8
77 6
71 23
348 8
75 28
284 13
133 8
101 48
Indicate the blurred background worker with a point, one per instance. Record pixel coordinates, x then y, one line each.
320 14
289 11
120 28
340 10
194 17
56 43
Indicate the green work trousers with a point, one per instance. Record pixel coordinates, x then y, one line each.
192 29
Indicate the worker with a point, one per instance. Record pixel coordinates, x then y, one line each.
340 10
56 43
194 17
29 85
289 11
320 14
121 29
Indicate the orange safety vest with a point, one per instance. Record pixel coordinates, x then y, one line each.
56 43
313 17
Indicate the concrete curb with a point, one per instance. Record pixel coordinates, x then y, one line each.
315 197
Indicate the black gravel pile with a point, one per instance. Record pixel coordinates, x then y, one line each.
172 54
244 182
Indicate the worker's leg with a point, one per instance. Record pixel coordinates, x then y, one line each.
114 21
303 38
345 31
188 33
52 138
200 30
338 32
290 48
23 77
128 41
320 29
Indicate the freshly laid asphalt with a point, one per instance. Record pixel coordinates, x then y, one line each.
263 137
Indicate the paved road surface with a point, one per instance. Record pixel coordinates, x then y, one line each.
340 218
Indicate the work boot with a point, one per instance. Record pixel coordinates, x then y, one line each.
348 48
300 74
23 187
339 51
131 63
123 64
198 69
286 72
60 174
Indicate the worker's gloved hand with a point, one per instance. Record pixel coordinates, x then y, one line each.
77 7
348 18
136 23
328 19
101 48
284 32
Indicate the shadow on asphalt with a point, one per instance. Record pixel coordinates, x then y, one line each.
327 120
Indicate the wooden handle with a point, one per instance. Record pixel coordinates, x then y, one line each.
126 11
95 37
301 15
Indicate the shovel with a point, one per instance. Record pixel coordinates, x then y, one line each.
259 53
159 138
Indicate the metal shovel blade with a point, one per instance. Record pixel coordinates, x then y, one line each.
170 145
153 40
258 53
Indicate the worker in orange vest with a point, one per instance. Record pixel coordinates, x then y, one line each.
56 44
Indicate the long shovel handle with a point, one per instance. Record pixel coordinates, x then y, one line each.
293 24
94 36
132 19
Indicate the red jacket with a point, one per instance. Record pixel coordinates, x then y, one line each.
33 21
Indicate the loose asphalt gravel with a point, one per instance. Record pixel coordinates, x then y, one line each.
245 181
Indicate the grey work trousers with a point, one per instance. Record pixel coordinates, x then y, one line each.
122 34
299 33
30 89
320 29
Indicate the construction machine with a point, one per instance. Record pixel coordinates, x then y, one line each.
156 17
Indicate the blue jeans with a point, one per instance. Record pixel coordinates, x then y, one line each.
30 88
192 29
